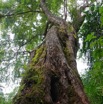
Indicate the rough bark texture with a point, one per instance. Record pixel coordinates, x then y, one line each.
51 76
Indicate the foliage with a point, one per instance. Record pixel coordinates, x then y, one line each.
94 85
91 31
92 35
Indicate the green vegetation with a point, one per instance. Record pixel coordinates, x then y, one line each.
92 35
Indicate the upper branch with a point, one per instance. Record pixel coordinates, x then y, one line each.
51 17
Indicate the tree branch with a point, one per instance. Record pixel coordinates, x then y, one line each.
20 13
51 17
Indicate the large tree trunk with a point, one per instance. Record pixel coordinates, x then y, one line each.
51 76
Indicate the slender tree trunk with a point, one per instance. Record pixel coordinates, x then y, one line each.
51 76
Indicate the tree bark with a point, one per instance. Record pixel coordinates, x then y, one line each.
51 76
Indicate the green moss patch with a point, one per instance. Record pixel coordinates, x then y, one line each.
38 54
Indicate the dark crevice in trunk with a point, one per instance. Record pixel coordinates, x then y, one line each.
54 88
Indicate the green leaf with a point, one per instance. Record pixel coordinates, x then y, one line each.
101 12
90 37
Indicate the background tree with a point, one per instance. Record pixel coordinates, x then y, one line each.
51 76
